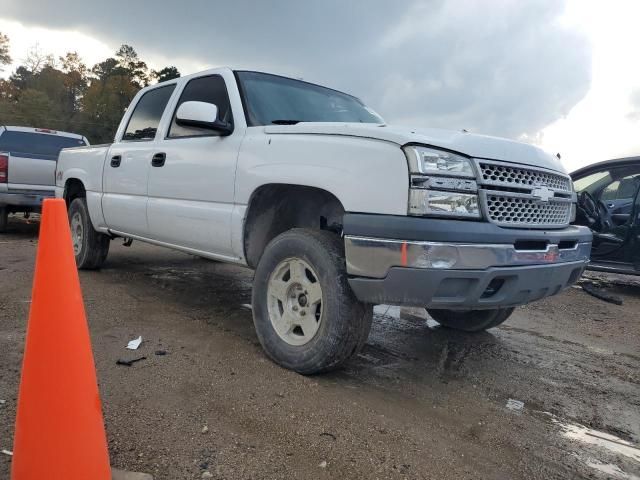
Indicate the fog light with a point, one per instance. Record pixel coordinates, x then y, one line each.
441 257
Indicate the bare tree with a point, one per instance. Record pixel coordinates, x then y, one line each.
36 59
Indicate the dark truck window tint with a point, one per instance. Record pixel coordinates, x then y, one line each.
272 99
211 89
147 113
36 145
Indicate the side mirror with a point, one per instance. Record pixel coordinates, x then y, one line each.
202 115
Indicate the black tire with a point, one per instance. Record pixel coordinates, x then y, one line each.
344 323
4 219
471 320
94 246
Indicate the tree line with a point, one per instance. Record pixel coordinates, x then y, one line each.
65 94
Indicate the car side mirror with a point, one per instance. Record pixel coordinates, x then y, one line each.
202 115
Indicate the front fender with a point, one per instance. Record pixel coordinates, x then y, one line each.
366 175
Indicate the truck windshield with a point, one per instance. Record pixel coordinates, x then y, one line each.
36 145
270 99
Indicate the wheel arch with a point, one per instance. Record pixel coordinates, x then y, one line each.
274 208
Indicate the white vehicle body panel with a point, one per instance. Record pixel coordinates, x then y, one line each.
124 202
336 164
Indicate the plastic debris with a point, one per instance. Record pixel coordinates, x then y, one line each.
246 305
135 343
7 452
160 352
205 429
128 363
601 294
323 464
515 405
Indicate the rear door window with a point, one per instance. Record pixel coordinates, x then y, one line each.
144 121
36 145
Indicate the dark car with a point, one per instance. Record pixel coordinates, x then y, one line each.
609 204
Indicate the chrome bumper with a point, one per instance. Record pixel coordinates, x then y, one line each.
373 257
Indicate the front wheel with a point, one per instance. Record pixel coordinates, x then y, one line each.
471 320
89 246
305 314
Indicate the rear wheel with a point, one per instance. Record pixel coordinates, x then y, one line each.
89 246
471 320
4 219
306 316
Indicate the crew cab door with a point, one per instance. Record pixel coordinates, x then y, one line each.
191 189
127 165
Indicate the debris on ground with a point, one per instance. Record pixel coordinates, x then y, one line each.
205 429
515 405
7 452
128 363
601 293
160 352
323 464
207 475
247 306
135 343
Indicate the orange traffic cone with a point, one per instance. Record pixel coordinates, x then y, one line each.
59 427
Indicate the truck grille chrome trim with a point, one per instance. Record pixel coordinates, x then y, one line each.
516 196
373 257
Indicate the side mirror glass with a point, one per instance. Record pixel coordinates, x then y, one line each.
202 115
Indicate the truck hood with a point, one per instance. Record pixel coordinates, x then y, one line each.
473 145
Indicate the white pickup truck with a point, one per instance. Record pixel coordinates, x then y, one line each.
335 210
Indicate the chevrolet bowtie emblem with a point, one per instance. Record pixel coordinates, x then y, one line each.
544 194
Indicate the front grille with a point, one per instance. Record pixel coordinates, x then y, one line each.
511 211
501 174
509 198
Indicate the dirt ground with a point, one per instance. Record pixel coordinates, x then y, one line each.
418 402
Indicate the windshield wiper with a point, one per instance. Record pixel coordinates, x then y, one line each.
285 122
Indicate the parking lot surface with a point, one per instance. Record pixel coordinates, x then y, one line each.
419 402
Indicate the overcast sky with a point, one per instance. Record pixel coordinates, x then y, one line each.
562 75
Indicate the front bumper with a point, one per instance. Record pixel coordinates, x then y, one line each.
459 264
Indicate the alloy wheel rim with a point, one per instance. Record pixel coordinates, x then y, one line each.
77 233
294 301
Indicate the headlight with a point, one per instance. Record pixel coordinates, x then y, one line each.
450 204
428 161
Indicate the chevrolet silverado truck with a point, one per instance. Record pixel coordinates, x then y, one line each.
334 210
27 167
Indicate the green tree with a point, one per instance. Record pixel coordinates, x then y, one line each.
103 105
5 58
76 79
137 69
33 108
167 73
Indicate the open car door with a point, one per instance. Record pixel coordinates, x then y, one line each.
608 203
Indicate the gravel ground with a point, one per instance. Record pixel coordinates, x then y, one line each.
418 402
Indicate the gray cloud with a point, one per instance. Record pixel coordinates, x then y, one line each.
504 67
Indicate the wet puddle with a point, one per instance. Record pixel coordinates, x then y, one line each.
600 439
611 443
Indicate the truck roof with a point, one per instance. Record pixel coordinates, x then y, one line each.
13 128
